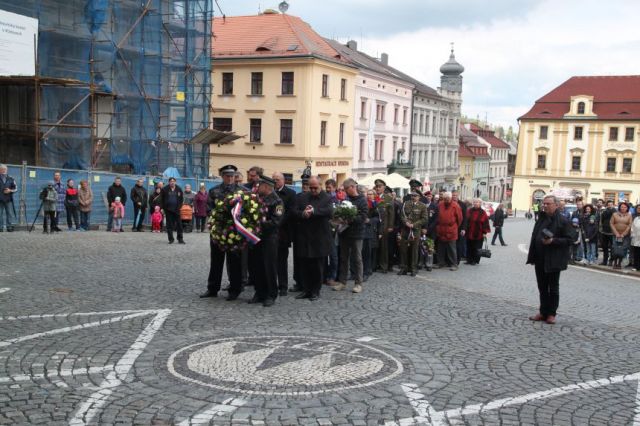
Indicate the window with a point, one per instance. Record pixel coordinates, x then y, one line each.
362 149
626 165
222 124
256 83
544 130
611 164
404 117
577 133
323 133
325 85
628 134
341 135
613 133
396 114
288 178
575 163
255 130
343 89
542 161
379 149
363 109
580 107
380 112
286 131
227 83
287 83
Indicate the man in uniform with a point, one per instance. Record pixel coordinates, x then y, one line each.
263 257
413 216
415 184
386 211
217 256
285 234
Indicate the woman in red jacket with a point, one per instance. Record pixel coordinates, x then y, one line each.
447 229
477 229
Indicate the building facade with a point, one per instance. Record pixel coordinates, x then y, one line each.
436 116
465 162
581 139
499 161
479 183
382 112
286 92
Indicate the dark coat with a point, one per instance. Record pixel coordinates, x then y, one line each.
165 196
313 236
477 225
155 199
7 183
498 218
288 197
355 231
139 195
116 191
555 256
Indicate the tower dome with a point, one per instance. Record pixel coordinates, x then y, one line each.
452 67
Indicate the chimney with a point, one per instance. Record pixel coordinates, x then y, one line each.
384 58
352 44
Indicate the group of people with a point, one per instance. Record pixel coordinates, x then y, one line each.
382 232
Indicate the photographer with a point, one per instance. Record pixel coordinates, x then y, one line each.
549 252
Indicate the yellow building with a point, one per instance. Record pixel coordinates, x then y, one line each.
465 174
286 92
581 139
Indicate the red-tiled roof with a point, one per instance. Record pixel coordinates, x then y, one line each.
614 98
489 136
463 151
268 35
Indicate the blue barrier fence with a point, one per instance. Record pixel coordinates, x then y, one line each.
31 180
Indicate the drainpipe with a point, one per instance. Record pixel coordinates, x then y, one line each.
414 92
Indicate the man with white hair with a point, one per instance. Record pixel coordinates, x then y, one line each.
447 231
7 209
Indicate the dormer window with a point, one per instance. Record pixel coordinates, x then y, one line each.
580 107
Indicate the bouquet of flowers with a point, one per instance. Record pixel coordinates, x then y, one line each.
343 213
236 221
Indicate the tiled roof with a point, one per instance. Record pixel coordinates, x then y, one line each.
362 60
268 36
463 151
489 136
614 98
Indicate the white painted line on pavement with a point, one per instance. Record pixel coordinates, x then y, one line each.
72 328
523 248
4 289
366 339
94 404
44 316
204 418
426 414
52 374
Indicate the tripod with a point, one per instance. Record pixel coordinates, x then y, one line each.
37 214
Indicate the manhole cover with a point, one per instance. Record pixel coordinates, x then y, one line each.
283 365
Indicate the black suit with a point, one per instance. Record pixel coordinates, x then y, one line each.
285 235
172 211
313 238
263 256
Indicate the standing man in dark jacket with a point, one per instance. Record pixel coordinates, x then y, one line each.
285 233
263 257
139 198
313 238
551 239
606 234
351 238
115 190
387 215
172 199
7 209
498 223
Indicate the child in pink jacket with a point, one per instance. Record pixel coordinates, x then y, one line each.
118 213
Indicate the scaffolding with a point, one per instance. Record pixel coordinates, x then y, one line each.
120 85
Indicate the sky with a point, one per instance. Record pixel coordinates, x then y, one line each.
513 51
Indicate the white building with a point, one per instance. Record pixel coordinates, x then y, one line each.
498 178
382 116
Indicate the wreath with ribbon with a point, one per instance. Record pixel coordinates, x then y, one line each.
236 221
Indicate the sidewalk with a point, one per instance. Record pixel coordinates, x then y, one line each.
623 271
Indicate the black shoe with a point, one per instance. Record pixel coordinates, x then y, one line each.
44 231
268 302
314 297
504 245
231 297
303 296
170 241
402 272
208 293
9 228
181 242
413 274
429 269
493 244
603 263
254 299
283 292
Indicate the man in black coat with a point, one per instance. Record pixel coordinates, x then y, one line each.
172 199
115 190
285 234
313 238
549 252
498 223
139 199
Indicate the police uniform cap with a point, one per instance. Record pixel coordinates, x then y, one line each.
379 182
416 192
414 182
229 169
267 180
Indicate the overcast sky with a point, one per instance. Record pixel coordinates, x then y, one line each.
513 51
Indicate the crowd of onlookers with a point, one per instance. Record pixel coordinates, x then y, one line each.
604 226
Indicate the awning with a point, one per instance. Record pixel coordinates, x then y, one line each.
209 136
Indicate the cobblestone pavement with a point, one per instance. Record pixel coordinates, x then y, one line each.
100 328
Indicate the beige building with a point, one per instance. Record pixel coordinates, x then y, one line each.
581 139
286 92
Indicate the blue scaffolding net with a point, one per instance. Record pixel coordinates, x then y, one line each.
120 85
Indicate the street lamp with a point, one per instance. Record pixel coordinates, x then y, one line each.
462 186
501 189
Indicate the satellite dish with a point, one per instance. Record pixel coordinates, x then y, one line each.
283 6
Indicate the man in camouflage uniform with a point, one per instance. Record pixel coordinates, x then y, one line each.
386 212
413 216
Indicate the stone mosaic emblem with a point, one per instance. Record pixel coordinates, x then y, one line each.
283 365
